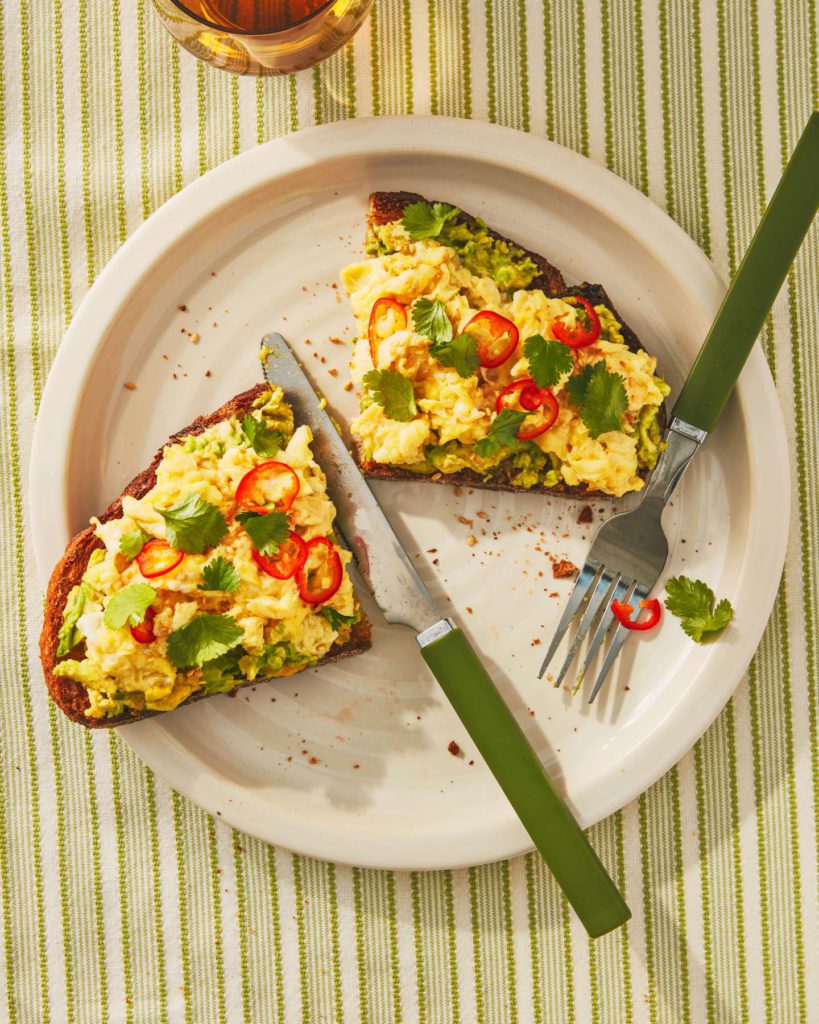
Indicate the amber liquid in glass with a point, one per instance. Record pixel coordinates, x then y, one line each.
257 16
262 37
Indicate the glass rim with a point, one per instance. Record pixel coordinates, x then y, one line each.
181 5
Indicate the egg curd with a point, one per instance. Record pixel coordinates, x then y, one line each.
280 631
455 412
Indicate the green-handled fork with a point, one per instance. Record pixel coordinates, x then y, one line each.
630 550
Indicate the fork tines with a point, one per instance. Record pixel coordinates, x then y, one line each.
591 600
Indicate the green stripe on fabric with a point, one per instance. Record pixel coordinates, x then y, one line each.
552 956
609 965
377 962
391 57
564 54
216 919
435 940
242 924
122 877
450 57
507 64
184 930
22 746
318 936
33 276
493 948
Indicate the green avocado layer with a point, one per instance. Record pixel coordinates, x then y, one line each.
480 252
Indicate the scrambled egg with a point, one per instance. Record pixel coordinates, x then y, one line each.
453 408
116 669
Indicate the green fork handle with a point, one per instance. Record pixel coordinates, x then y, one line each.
755 287
522 777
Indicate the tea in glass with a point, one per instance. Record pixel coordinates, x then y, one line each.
262 37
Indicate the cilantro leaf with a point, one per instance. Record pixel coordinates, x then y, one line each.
600 396
204 638
692 601
460 354
264 440
336 619
131 543
548 360
576 386
193 525
219 574
128 606
266 531
429 318
394 392
503 433
425 220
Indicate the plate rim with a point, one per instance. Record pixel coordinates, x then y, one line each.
599 189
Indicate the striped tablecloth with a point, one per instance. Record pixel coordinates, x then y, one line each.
122 902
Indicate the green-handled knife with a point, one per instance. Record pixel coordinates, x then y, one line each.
403 598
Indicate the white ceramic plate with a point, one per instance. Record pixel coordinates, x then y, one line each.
350 763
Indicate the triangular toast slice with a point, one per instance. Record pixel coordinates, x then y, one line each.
252 625
469 269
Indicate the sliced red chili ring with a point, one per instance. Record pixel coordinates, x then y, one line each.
586 330
287 561
382 309
623 613
144 632
318 583
531 398
268 487
158 557
497 337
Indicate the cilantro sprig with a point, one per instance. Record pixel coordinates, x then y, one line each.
266 530
549 361
427 220
503 433
429 318
264 440
193 525
132 542
693 603
600 397
393 392
203 639
460 354
219 574
128 606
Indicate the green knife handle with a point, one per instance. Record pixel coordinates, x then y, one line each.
755 287
509 755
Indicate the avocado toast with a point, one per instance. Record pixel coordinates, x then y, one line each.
479 366
216 568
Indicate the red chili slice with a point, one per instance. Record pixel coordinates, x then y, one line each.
287 561
380 311
318 583
270 486
531 398
158 557
497 337
144 632
623 613
583 333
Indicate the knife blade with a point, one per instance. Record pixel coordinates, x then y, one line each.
402 597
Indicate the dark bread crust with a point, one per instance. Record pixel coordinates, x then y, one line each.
70 696
389 206
386 207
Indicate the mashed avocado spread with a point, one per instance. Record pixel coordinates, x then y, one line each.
480 252
207 614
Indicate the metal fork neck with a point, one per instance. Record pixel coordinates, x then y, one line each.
682 441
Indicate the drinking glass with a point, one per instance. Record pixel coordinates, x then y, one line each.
262 37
